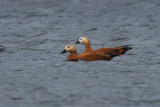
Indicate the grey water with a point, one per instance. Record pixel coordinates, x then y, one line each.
33 73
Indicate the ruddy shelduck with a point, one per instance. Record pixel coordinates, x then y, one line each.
73 56
108 50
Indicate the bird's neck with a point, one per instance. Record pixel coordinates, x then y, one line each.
88 48
72 55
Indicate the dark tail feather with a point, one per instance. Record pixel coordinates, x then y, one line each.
126 47
123 50
113 55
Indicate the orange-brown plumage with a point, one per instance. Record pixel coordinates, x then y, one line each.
85 56
108 50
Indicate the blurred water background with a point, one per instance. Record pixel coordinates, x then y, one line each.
33 73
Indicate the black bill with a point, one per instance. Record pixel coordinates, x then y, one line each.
64 51
77 42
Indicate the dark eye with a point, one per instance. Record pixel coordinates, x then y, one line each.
68 47
81 38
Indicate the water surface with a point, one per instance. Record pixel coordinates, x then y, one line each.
33 73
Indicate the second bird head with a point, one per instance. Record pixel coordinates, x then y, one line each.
83 40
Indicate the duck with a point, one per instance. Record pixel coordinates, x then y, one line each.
73 56
120 50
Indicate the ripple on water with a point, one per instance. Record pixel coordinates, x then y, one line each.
2 48
93 29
